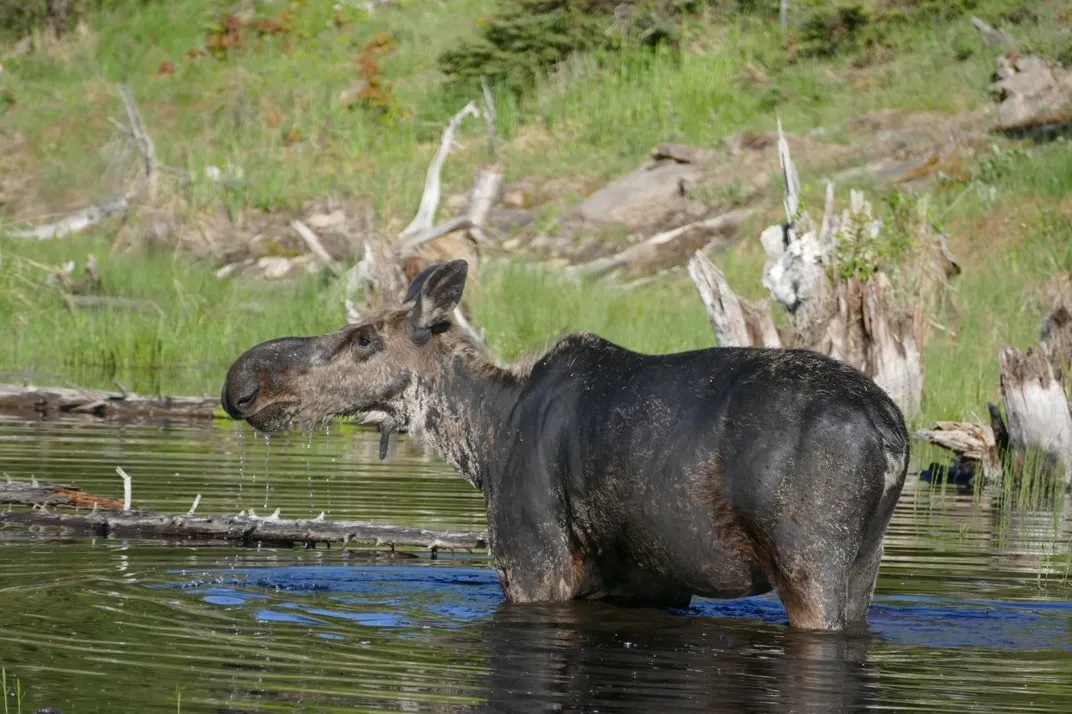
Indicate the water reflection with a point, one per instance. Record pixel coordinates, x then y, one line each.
972 607
591 657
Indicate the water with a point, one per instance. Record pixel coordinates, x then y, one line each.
971 611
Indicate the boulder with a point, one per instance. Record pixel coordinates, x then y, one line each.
640 197
1033 95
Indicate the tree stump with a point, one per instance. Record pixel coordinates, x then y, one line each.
1037 410
855 317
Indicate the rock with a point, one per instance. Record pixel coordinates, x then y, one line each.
456 203
639 198
1033 95
324 221
274 267
681 153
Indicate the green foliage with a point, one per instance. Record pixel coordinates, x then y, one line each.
531 37
19 18
860 251
829 31
853 27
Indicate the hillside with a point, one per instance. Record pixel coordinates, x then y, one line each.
260 112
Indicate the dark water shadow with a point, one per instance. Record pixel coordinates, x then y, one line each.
716 656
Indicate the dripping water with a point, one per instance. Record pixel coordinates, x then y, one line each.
267 448
241 466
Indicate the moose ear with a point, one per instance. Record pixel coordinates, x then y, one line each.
437 290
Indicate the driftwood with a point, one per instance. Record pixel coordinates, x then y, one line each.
314 244
45 402
108 517
858 320
146 179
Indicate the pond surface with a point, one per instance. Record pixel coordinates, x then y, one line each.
972 609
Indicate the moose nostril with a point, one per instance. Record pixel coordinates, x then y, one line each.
246 399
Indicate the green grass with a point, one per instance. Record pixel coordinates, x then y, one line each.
200 322
610 109
14 690
204 322
597 116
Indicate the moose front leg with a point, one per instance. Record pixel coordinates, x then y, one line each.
538 565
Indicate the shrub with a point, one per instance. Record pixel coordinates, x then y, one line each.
19 18
531 37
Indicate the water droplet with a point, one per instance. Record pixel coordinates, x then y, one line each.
267 448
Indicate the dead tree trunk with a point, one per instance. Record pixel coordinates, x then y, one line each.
1037 411
1037 407
855 317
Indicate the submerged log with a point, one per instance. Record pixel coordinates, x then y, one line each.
1037 409
107 518
45 402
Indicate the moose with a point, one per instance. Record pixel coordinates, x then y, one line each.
639 479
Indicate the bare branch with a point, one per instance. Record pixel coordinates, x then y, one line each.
489 118
425 217
314 245
77 221
109 517
143 139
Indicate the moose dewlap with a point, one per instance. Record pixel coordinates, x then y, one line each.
639 479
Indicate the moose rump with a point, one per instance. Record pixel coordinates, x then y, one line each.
641 479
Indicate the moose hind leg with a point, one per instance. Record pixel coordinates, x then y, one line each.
816 597
862 582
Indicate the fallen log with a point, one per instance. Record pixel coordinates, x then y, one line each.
977 447
46 402
727 223
107 518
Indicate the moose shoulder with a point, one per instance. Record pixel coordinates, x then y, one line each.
641 479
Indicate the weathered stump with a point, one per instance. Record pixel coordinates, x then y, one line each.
852 316
1037 411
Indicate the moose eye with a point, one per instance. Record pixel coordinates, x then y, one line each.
364 341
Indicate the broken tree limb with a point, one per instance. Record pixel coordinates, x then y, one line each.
77 221
86 218
107 518
55 401
423 221
314 245
736 322
973 444
143 139
1036 408
727 222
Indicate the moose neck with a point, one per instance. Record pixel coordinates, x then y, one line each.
464 414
